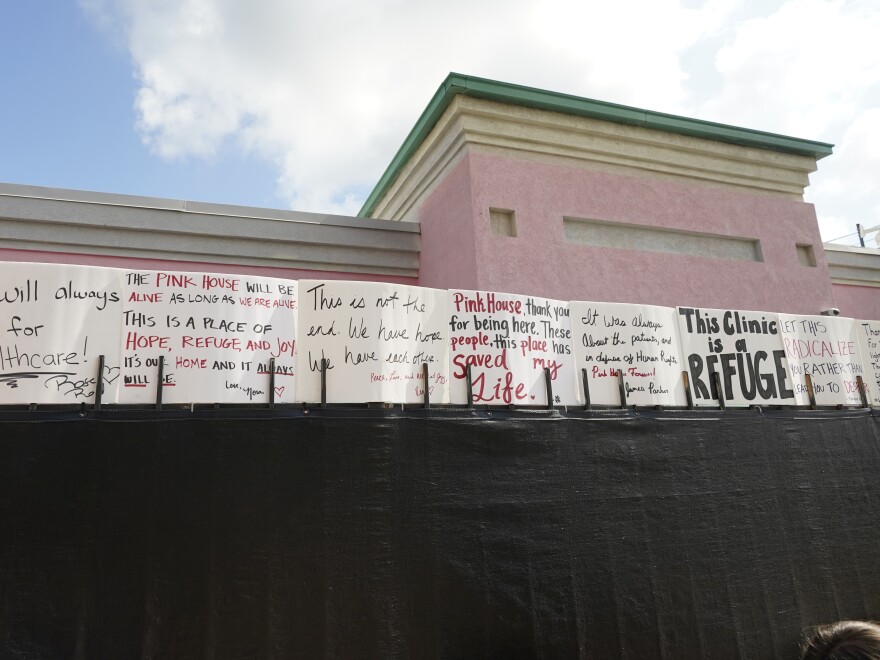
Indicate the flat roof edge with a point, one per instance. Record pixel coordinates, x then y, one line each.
575 105
205 208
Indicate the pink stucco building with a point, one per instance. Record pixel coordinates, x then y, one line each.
507 188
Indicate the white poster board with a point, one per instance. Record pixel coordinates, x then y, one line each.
869 347
55 322
217 333
641 341
744 348
508 340
376 337
826 349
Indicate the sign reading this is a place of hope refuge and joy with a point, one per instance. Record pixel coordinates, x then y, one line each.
219 336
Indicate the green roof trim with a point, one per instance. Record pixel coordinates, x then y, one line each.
492 90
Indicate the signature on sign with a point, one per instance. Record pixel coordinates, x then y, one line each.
61 381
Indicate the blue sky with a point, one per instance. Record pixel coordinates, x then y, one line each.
67 117
302 105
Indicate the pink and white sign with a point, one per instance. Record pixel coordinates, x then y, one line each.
218 334
508 340
826 349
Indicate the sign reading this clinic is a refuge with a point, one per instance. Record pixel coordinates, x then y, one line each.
55 322
639 342
508 341
375 339
827 350
745 350
869 348
218 334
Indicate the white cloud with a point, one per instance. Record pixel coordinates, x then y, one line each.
849 184
627 52
811 69
802 70
327 91
858 159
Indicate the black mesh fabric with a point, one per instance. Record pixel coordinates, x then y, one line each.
434 533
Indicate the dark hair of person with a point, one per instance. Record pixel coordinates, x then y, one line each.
844 640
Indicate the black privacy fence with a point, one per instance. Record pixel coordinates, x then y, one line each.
434 533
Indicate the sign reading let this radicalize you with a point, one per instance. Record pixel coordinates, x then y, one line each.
823 353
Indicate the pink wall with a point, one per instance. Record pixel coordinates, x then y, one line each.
449 259
539 261
460 251
858 302
196 266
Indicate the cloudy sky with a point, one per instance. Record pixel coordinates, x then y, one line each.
294 104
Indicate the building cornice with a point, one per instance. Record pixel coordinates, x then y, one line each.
528 97
471 125
853 265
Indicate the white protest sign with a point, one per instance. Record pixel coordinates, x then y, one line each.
376 338
216 332
869 347
508 340
744 348
641 341
826 349
55 322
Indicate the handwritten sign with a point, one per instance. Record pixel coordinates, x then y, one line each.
375 337
220 335
641 341
54 323
508 341
743 348
826 349
216 332
869 347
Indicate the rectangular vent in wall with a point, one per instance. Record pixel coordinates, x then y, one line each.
600 233
806 255
503 222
